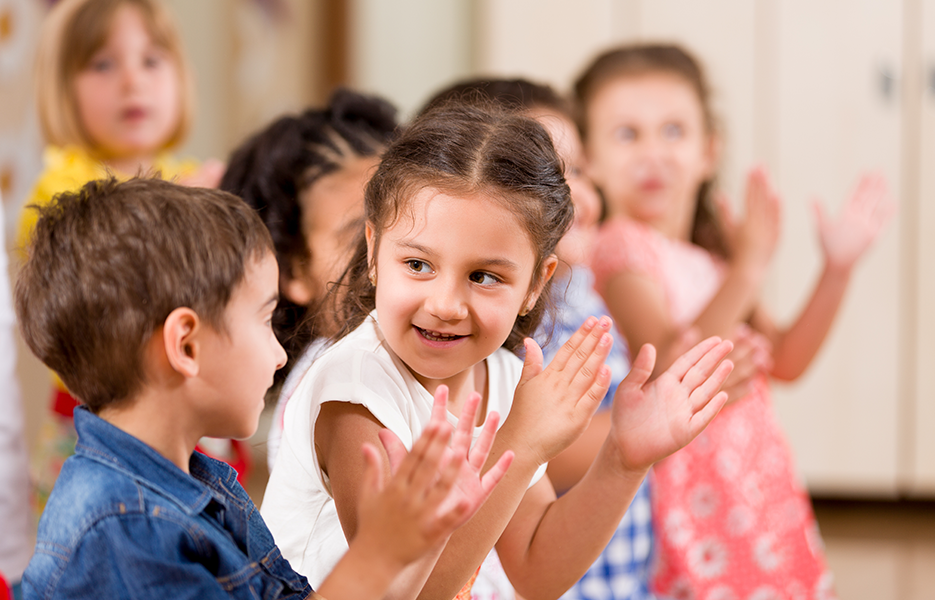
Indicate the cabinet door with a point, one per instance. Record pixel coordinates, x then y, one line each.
553 41
922 415
837 113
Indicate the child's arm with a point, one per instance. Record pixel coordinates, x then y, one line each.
844 240
550 543
638 304
555 408
414 513
337 428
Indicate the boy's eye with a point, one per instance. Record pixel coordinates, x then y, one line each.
152 60
483 278
673 131
418 266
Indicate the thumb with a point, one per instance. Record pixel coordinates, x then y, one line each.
373 473
395 450
642 368
532 364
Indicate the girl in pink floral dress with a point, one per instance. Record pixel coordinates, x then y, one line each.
733 521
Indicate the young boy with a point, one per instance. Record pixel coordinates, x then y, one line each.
153 303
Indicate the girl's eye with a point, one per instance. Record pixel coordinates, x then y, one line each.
101 65
625 134
483 278
417 266
673 131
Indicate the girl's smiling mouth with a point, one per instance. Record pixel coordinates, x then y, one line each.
437 336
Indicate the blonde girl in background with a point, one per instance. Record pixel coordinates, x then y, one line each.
733 520
451 277
115 95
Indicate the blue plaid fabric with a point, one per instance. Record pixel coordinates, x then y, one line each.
622 570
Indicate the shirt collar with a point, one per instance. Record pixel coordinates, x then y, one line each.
100 441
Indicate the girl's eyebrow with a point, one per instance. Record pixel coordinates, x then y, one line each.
503 263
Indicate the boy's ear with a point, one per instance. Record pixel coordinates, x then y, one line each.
548 269
180 334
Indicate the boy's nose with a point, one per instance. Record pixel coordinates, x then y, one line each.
281 356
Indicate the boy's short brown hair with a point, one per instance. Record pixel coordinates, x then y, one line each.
108 263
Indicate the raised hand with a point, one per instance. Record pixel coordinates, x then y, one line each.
846 237
754 239
553 406
752 355
650 421
470 488
434 489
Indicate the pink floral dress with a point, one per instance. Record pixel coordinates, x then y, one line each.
732 519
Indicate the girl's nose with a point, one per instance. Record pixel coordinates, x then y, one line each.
446 301
132 75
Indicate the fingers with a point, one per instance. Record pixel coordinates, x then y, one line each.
478 454
373 469
642 368
703 417
464 434
532 364
575 351
702 370
440 405
493 476
423 460
706 390
426 459
395 450
685 362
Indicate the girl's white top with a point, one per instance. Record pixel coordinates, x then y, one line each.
362 369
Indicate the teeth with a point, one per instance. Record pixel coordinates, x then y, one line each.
438 337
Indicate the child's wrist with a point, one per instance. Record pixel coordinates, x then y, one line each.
616 464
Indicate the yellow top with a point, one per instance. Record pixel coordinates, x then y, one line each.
70 167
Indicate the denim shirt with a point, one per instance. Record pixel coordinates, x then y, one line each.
125 522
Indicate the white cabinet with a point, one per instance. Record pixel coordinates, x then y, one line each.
818 92
920 415
838 112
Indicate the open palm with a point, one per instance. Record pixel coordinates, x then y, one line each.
846 237
651 420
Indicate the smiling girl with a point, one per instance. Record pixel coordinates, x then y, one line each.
463 216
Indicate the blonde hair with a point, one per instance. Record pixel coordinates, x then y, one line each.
72 33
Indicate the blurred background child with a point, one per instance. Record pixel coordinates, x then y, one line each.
733 519
305 176
114 95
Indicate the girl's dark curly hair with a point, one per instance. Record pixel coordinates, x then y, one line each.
272 168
